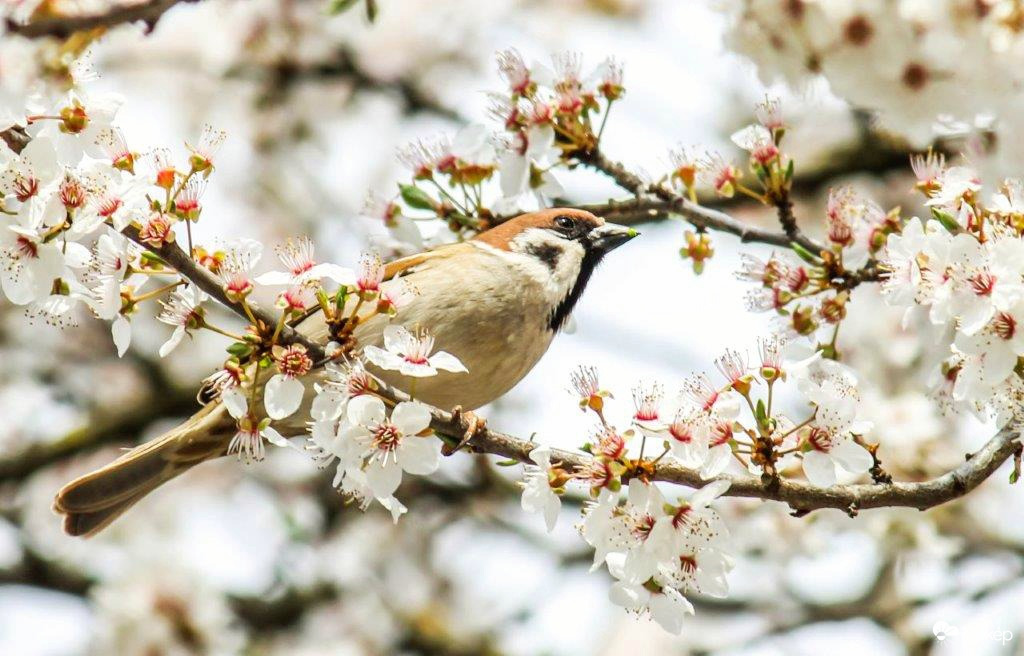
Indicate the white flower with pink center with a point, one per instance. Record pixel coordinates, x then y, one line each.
647 408
394 295
248 439
343 382
371 273
756 140
988 279
719 444
688 442
283 393
952 185
990 355
828 450
205 150
538 495
184 311
410 354
388 213
720 174
30 178
235 273
112 200
530 149
733 366
295 299
301 267
665 605
390 445
114 146
513 68
75 124
928 168
28 264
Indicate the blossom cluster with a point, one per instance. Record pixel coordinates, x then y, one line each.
696 168
962 270
800 285
351 424
658 550
86 220
545 114
911 61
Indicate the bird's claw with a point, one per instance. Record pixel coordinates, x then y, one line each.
473 424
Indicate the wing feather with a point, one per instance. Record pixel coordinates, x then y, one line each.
410 263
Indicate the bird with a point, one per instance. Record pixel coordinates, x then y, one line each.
495 301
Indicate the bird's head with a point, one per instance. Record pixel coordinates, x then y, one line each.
560 247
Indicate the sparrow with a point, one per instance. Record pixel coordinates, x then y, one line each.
495 302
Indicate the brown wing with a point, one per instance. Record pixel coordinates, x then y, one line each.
313 325
409 263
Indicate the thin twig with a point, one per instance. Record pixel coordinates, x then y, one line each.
119 14
700 217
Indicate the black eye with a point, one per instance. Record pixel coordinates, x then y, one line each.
565 223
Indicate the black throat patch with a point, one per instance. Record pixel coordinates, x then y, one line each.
546 253
561 313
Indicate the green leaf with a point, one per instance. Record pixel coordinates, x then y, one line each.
804 254
761 414
152 258
416 197
371 10
789 170
240 349
947 220
335 7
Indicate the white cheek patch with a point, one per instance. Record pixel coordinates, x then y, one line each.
552 260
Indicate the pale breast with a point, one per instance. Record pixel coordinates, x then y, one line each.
495 321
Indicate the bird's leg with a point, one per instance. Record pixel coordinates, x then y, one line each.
473 424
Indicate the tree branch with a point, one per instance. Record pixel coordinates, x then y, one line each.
800 496
64 26
700 217
180 261
279 77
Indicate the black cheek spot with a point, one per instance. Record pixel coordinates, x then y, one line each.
546 253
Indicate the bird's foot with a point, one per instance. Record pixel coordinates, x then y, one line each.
473 424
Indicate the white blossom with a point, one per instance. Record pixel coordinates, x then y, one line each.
410 354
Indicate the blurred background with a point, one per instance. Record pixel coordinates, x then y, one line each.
269 559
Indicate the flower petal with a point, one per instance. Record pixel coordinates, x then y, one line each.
819 469
275 438
173 342
709 493
365 409
282 396
274 278
338 274
121 331
852 457
396 338
383 479
419 455
447 362
383 359
235 402
410 417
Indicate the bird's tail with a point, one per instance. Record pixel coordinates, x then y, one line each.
92 502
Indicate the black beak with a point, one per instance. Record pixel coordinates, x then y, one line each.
609 237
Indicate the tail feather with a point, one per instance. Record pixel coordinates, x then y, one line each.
92 502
